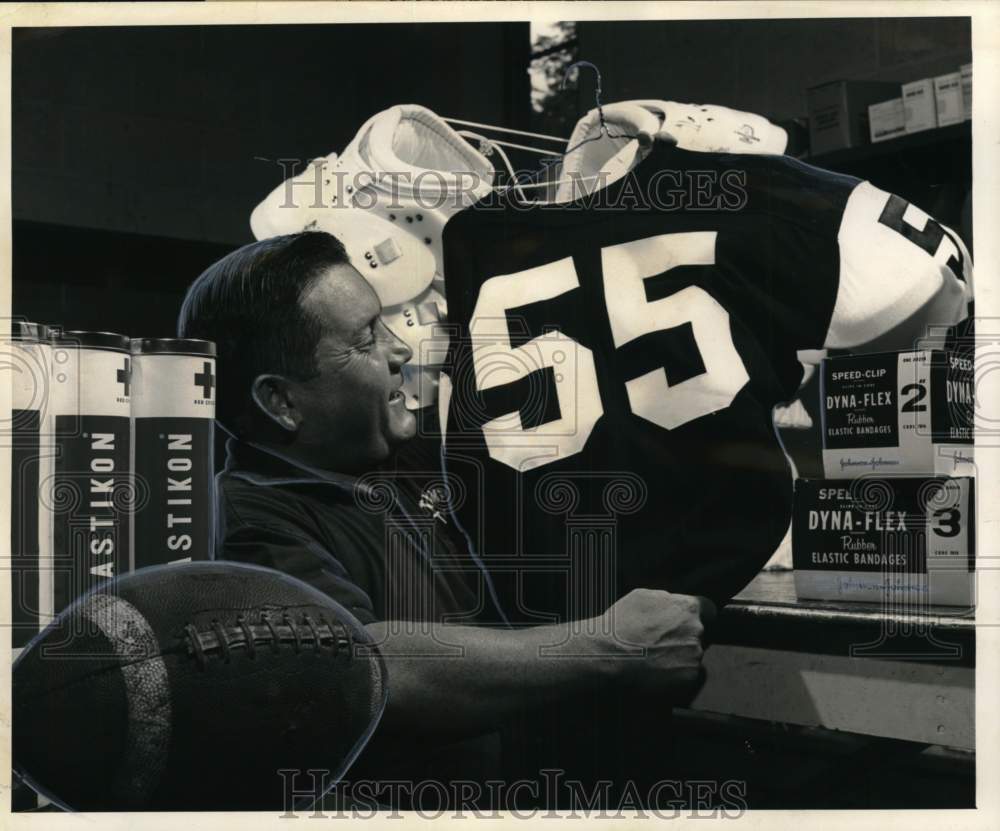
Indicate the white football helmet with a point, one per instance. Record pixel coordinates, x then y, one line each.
387 198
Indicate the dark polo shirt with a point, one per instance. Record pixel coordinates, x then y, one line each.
384 545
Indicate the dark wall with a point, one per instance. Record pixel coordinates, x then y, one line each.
766 66
80 278
139 153
168 130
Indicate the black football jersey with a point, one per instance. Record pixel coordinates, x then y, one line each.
614 363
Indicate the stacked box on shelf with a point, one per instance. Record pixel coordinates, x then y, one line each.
948 99
895 517
919 105
925 104
838 113
897 413
965 71
908 539
886 120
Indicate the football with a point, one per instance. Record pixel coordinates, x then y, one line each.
189 687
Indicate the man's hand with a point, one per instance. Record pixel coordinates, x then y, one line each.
653 639
466 679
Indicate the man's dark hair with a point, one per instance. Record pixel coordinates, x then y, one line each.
249 304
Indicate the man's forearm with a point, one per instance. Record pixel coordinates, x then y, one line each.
465 679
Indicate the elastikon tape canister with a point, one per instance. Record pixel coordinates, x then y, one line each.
91 495
173 417
29 358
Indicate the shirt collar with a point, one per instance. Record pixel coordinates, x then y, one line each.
261 465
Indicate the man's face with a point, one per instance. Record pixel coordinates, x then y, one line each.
353 413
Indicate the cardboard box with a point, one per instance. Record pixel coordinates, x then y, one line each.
897 413
966 72
909 540
838 113
948 99
885 120
919 107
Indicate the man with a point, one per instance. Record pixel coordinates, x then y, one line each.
308 389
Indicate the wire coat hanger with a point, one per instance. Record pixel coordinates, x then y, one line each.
644 139
488 145
604 132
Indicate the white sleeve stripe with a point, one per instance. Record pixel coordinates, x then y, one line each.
886 278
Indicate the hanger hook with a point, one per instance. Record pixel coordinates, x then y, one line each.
597 91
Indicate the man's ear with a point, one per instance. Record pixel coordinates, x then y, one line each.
272 395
